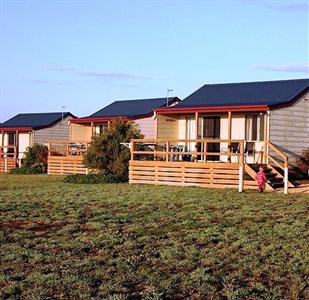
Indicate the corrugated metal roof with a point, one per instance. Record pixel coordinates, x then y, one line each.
132 108
269 93
34 120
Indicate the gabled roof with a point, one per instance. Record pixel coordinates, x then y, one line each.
35 120
268 93
128 109
132 108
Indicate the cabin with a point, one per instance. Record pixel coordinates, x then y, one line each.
67 157
26 129
222 133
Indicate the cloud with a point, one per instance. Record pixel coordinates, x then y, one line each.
292 68
104 75
110 75
59 68
279 5
51 82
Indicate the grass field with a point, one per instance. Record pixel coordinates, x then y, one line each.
116 241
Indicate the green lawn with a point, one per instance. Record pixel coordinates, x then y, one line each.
116 241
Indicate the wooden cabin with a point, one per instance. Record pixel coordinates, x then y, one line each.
24 130
220 134
67 157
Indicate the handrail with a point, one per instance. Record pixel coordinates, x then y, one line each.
169 152
284 167
7 154
279 153
67 148
145 141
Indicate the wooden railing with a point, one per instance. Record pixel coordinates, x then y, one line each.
283 164
8 158
8 151
177 149
67 148
187 161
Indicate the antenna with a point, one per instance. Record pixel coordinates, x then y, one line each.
62 113
167 95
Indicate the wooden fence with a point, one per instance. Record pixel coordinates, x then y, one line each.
8 159
66 157
161 161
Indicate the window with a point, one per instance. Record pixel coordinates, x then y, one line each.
100 128
255 127
190 133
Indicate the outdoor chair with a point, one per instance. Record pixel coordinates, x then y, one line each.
234 148
250 150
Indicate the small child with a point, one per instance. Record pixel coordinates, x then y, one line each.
261 179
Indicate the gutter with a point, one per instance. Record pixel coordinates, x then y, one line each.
215 109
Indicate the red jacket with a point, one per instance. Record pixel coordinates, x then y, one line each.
260 177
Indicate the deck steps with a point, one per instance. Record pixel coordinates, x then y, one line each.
275 180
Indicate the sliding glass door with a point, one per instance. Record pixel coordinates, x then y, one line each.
211 130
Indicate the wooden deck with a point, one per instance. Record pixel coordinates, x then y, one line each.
8 160
161 162
66 157
66 165
213 175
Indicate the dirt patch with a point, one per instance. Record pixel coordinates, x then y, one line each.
34 226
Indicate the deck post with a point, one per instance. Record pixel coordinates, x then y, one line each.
241 167
265 150
167 149
196 134
131 150
229 136
17 148
286 176
5 164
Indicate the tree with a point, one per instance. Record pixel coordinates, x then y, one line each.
36 157
107 154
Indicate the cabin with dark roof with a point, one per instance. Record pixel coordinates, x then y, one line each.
66 157
221 127
141 111
26 129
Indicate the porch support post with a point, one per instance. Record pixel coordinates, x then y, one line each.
91 128
196 134
229 135
2 142
17 147
265 147
108 124
241 168
286 175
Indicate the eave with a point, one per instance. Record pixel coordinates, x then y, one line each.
212 109
13 129
96 120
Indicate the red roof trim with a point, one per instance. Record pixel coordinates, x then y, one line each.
240 108
98 119
11 129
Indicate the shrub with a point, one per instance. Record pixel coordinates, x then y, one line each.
91 178
36 158
25 171
107 154
303 162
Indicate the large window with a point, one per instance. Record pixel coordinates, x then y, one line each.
255 127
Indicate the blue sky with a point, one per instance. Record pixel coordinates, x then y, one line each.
86 54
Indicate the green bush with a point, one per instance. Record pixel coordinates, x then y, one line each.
36 158
106 152
91 178
25 171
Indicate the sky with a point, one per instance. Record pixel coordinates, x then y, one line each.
79 56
